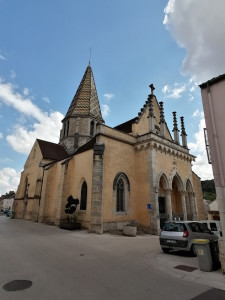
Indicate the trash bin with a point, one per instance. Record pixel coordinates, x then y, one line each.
214 248
203 251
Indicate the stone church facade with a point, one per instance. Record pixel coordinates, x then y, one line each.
133 172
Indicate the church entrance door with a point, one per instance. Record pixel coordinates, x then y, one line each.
162 211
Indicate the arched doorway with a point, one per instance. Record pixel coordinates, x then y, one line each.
178 210
164 200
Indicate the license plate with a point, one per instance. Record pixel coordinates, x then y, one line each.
171 241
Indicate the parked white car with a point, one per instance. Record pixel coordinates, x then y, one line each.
180 235
214 226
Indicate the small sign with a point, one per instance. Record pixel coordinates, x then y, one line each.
200 252
149 206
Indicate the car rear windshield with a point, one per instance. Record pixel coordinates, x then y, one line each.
199 227
178 227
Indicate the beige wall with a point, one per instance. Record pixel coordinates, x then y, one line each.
118 157
33 173
80 170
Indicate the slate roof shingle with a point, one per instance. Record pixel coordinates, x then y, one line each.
85 101
52 151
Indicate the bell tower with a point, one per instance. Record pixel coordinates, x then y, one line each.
84 113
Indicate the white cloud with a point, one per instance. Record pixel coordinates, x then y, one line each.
105 110
47 126
12 74
196 25
108 96
26 91
2 57
174 92
9 180
24 105
198 113
48 129
46 99
1 135
165 88
192 88
200 166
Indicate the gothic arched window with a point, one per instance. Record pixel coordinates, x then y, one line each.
121 188
83 198
120 195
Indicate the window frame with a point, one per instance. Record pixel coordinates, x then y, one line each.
121 177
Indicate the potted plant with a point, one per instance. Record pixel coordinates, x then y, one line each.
71 222
130 229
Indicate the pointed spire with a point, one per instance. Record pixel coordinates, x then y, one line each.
183 133
174 121
162 120
85 101
182 126
175 128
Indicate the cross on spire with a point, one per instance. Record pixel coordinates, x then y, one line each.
152 88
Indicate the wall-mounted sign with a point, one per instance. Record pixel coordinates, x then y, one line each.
149 206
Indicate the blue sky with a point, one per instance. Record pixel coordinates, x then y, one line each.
45 49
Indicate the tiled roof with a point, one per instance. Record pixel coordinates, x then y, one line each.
52 151
212 81
85 101
127 126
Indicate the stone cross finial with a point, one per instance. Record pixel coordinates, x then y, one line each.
162 118
152 88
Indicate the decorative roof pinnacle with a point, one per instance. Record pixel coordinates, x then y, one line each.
162 118
183 132
175 121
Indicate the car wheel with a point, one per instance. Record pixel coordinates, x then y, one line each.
166 250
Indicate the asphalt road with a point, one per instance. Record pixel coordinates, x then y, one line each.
78 265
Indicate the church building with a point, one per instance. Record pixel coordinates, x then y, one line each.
137 171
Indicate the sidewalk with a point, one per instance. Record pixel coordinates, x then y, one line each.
182 260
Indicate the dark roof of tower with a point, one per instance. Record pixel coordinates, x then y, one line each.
85 101
52 151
